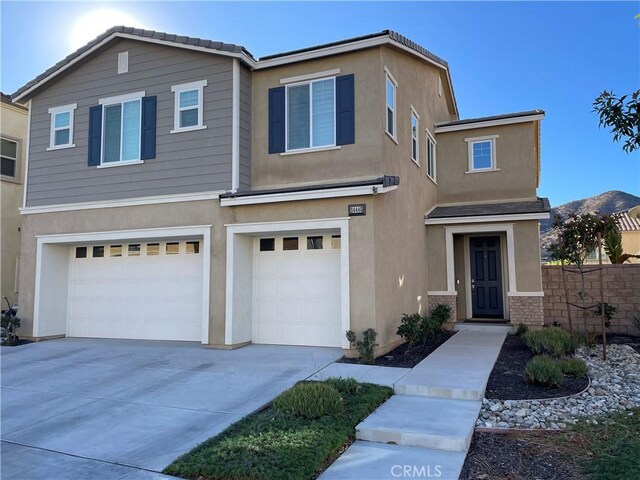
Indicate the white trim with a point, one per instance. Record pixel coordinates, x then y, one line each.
310 150
18 167
187 87
389 78
415 115
306 195
122 163
430 138
415 112
489 123
471 142
113 101
491 228
121 98
123 62
310 76
235 128
487 218
341 224
53 111
152 200
480 139
146 233
442 293
60 147
525 294
63 108
26 156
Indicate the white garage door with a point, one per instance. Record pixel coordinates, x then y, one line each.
297 290
143 290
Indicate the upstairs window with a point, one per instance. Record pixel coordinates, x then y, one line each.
121 129
415 120
431 156
188 110
9 158
482 153
62 126
391 86
311 117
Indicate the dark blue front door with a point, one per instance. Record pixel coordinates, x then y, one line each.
486 278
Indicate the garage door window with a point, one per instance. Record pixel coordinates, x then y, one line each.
336 242
115 251
267 244
81 252
153 249
98 252
133 250
314 243
290 243
193 248
173 248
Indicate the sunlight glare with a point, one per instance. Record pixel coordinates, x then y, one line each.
89 26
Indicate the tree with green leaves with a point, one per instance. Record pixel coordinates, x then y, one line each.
622 115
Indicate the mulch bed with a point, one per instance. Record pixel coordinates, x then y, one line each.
517 456
507 378
405 358
620 339
20 342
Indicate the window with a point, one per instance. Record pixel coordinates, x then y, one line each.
81 252
414 136
153 249
188 106
431 156
482 155
98 252
121 128
314 243
311 119
290 243
115 251
9 158
62 126
133 250
336 242
172 248
192 248
391 86
267 244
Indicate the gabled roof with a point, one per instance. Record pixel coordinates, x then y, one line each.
4 98
152 36
629 221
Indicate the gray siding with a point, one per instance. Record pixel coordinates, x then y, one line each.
196 161
245 129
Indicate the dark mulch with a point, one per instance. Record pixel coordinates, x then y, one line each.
405 358
507 378
517 456
621 339
20 342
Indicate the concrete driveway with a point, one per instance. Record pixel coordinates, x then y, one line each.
114 409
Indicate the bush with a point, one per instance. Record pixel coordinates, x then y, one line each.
417 330
575 367
552 341
309 400
346 386
441 313
366 347
544 370
522 329
410 329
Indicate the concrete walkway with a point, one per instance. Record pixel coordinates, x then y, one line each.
424 431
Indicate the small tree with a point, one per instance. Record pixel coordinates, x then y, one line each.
622 115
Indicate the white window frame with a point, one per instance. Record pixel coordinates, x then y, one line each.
310 148
389 78
53 111
119 100
16 177
474 140
186 87
430 139
415 138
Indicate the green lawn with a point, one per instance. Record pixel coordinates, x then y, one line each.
270 445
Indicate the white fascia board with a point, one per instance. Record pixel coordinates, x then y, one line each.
489 123
442 293
308 195
235 127
162 232
525 294
486 218
131 202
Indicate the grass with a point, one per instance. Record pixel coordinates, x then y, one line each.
271 444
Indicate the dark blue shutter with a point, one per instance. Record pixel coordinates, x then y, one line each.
95 135
276 120
148 148
345 110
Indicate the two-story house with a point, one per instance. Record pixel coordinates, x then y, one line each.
180 189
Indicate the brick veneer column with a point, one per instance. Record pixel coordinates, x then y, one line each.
527 310
450 300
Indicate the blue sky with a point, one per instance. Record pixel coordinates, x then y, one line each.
504 57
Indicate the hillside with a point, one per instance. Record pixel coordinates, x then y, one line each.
607 202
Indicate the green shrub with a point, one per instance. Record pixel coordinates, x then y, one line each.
552 341
346 386
366 347
575 367
309 400
544 370
410 329
522 329
441 313
417 330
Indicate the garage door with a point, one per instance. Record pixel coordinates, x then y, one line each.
150 290
297 290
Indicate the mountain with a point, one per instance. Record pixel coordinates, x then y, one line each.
607 202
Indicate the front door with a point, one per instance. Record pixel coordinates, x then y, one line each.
486 278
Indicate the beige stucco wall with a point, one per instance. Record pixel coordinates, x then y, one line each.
13 125
631 244
516 161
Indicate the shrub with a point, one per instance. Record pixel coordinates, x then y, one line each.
441 313
417 330
609 312
574 366
410 329
346 386
522 329
366 347
544 370
309 400
550 341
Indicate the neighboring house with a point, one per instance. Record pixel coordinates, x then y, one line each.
13 134
180 189
629 224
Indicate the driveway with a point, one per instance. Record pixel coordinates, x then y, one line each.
114 409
